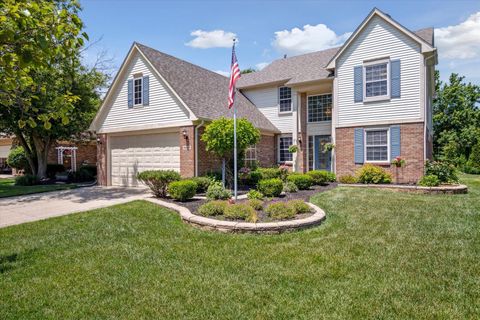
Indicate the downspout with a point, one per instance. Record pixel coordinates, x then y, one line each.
196 146
425 119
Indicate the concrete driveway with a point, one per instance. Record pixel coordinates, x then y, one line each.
17 210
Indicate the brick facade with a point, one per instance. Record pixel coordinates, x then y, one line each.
102 169
411 150
187 151
302 164
86 153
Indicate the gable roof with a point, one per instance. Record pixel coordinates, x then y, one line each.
204 92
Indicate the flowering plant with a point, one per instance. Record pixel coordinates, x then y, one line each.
328 146
293 148
244 172
399 162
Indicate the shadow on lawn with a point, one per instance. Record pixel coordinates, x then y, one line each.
10 261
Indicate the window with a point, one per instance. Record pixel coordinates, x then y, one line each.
285 99
376 81
310 153
251 156
376 145
284 154
137 91
320 108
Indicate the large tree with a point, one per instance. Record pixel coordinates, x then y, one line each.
45 92
456 118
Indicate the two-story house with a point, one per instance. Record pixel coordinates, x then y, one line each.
371 98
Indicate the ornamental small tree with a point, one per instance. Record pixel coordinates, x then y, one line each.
218 137
474 159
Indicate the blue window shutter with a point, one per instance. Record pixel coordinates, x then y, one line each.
394 142
358 146
146 91
130 93
395 79
358 83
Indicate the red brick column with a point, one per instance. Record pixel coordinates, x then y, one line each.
302 134
266 151
412 136
102 156
187 151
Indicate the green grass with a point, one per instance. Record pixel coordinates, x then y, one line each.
8 189
379 254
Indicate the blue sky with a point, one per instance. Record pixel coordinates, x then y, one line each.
200 31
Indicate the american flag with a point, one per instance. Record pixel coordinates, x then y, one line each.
234 75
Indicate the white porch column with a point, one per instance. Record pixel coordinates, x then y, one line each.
295 104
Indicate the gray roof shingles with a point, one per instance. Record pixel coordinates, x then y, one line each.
205 92
303 68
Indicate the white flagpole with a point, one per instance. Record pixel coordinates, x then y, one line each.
234 147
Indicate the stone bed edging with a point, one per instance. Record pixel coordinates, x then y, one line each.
446 189
243 227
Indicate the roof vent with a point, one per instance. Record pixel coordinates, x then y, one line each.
284 56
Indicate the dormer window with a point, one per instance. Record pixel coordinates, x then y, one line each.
285 99
376 80
138 91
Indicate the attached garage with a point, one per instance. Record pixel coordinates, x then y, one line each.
136 153
4 151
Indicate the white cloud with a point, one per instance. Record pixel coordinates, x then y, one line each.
461 41
211 39
223 73
308 39
261 65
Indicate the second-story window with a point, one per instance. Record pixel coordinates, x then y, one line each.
320 108
376 80
285 99
137 91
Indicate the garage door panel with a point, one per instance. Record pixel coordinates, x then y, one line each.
133 154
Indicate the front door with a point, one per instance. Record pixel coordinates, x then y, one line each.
322 158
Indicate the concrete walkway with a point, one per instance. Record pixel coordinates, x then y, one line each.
17 210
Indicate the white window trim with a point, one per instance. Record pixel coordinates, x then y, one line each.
278 148
372 63
291 100
365 145
308 107
141 90
249 149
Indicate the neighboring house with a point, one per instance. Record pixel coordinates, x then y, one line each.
370 97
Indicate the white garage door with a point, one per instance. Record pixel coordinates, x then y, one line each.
137 153
4 151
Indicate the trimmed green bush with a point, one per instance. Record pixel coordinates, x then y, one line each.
269 173
216 191
370 173
270 187
280 211
18 160
240 211
446 172
256 204
182 190
158 180
213 208
322 177
26 180
471 170
299 206
347 179
290 187
429 181
202 183
302 181
254 194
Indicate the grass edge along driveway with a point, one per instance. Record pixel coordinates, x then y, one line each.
9 189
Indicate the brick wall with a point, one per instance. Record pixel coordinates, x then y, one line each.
187 151
411 150
302 135
102 171
266 151
86 153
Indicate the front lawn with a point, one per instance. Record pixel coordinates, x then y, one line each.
379 254
8 189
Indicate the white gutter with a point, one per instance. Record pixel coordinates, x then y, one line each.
196 146
425 119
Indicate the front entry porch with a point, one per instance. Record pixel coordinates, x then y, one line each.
318 157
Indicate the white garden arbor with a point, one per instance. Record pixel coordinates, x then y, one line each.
67 151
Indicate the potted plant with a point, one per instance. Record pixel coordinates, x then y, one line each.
293 148
399 162
328 147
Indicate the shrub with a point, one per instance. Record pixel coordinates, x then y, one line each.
256 204
213 208
302 181
290 187
17 159
270 187
299 206
254 194
26 180
158 180
347 179
202 183
240 211
90 168
182 190
53 169
249 177
474 158
471 170
321 177
216 191
445 171
429 181
81 175
280 211
269 173
370 173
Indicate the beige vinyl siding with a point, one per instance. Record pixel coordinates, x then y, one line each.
266 100
379 39
164 108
